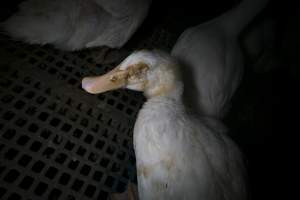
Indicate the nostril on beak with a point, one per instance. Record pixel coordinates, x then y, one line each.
113 79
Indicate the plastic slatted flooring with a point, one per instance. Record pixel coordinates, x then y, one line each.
57 141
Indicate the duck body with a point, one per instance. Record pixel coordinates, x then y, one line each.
212 53
77 24
183 156
180 155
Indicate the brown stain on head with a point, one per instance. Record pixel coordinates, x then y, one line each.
131 72
137 69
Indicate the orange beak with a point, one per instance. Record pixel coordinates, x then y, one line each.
112 80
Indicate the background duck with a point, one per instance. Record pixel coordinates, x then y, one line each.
212 54
77 24
178 155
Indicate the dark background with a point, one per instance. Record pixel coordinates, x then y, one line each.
263 116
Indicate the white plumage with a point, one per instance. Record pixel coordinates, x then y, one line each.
179 155
212 58
77 24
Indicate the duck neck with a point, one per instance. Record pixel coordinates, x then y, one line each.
165 103
173 93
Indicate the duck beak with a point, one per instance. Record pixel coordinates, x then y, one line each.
112 80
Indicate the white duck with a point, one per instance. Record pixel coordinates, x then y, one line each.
178 155
77 24
213 60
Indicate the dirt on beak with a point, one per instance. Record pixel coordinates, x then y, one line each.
112 80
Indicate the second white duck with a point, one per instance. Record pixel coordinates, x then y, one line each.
77 24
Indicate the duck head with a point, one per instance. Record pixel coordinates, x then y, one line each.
153 72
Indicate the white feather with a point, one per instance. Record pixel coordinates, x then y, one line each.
76 24
211 53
